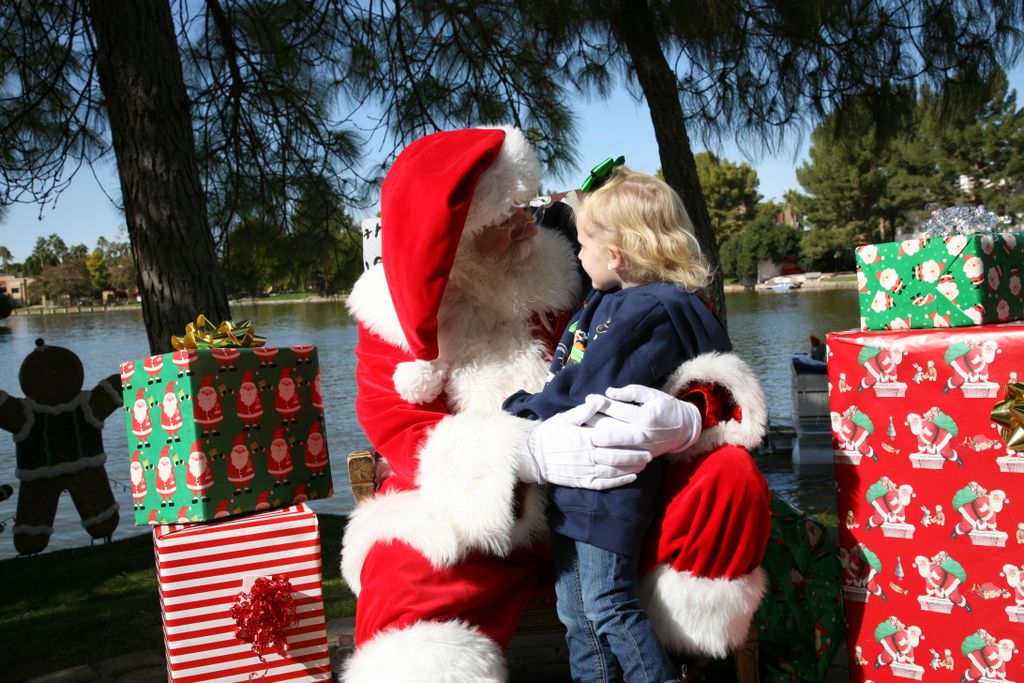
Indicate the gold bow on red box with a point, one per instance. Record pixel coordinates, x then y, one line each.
1009 415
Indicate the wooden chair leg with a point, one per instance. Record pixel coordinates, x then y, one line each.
745 658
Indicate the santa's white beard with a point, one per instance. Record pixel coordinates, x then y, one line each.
535 275
484 325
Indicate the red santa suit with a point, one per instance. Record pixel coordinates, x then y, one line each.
142 424
183 360
445 557
170 413
226 357
265 354
240 469
138 481
249 405
286 399
315 455
166 483
153 365
206 408
200 476
279 460
127 371
303 353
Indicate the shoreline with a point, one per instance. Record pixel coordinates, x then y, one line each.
98 308
818 283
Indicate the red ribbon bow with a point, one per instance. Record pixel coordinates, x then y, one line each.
264 614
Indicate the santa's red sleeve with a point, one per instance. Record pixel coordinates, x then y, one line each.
701 577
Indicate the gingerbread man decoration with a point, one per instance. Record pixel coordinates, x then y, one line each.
58 436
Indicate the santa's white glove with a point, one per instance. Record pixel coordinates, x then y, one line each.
563 450
646 418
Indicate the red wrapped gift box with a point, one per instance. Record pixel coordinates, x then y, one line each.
930 502
202 568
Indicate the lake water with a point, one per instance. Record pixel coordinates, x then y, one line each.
765 328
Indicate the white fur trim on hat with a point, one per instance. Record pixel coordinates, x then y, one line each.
512 180
427 652
420 381
733 374
701 616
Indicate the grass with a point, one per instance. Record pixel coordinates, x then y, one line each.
84 605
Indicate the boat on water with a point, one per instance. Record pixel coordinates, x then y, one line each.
782 284
812 441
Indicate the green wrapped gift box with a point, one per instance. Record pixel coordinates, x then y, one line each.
951 281
219 432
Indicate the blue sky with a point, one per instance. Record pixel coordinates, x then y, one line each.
618 126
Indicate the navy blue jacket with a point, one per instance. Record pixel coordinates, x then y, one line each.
637 335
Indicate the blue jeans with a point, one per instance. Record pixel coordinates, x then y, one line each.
609 635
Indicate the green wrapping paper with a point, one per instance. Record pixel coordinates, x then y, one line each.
801 617
949 281
219 432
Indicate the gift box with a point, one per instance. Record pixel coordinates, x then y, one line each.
948 281
930 498
218 432
202 572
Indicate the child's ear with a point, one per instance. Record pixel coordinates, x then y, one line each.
615 258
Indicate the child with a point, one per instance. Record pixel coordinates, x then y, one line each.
638 323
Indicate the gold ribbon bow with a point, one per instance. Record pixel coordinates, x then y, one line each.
203 335
1009 414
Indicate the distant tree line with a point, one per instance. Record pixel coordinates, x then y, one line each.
866 181
319 250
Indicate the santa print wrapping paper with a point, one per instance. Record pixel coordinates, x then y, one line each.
930 503
951 281
201 569
219 432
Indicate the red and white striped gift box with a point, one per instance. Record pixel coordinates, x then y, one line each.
201 569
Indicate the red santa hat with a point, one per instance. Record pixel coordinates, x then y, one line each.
278 434
239 441
165 452
248 378
170 388
135 457
286 374
197 447
140 395
441 187
314 428
207 381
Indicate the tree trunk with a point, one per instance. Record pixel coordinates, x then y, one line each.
140 74
635 27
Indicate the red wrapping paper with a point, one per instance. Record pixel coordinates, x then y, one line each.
930 503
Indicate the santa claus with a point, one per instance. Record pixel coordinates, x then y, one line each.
279 462
200 477
166 482
137 474
249 405
447 554
207 412
286 400
142 424
170 414
240 468
153 365
315 455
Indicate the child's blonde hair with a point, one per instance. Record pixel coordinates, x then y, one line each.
647 221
